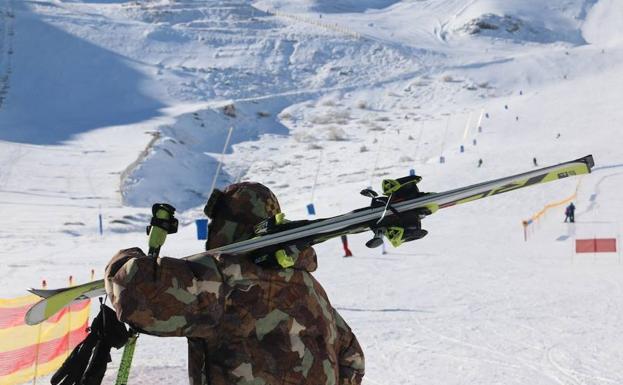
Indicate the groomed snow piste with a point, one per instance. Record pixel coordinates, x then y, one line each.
109 106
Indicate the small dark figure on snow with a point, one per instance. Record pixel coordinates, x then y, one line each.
480 162
570 213
535 162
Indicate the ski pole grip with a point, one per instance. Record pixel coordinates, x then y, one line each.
162 223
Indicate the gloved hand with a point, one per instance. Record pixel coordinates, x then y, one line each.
87 363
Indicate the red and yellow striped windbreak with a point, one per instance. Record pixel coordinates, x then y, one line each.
30 351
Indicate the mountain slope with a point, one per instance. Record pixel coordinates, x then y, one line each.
113 105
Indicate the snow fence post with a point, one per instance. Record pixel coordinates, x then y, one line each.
467 126
594 248
618 245
44 284
220 163
376 160
311 209
479 124
71 283
100 226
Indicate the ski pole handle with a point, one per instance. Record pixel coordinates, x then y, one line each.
162 223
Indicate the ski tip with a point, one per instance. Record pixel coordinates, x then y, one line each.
588 160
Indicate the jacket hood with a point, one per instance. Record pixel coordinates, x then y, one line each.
237 210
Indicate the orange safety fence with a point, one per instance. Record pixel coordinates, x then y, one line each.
27 352
548 207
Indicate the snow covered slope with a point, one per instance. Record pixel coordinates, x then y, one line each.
108 106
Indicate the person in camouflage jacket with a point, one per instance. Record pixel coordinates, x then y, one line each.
246 324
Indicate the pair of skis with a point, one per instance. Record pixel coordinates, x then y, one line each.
313 232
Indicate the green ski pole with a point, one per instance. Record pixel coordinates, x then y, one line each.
162 223
126 361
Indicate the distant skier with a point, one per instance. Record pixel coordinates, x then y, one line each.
534 162
480 162
347 252
570 213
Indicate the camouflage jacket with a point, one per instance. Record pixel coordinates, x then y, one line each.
246 325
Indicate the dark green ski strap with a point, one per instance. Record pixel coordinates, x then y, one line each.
126 361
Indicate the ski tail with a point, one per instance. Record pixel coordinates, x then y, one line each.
47 307
47 293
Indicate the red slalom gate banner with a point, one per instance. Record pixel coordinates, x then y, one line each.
27 351
596 245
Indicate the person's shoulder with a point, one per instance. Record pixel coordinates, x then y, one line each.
204 265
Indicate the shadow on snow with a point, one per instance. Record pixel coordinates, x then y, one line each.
62 85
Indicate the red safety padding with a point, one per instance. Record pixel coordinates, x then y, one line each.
584 245
596 245
606 245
